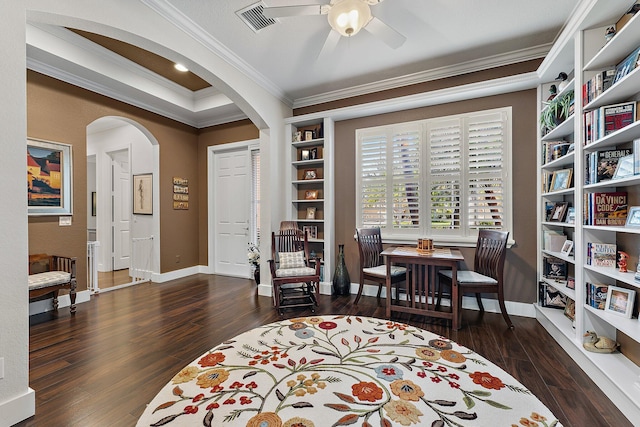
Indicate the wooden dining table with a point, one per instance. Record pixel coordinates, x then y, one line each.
422 286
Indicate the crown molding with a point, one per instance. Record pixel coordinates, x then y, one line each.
181 21
482 64
441 96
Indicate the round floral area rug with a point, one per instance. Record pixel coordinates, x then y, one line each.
343 370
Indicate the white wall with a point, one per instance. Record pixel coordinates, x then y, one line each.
17 401
99 144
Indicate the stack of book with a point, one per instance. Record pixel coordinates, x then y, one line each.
608 208
597 295
627 65
552 150
601 254
553 240
601 165
594 87
605 120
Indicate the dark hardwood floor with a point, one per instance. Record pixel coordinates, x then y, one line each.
102 366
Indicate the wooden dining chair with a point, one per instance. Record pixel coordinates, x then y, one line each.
487 273
295 276
372 267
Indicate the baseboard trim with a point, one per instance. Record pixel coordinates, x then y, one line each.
42 306
18 409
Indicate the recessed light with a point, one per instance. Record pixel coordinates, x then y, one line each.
181 67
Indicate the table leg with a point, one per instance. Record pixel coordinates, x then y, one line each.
388 286
455 307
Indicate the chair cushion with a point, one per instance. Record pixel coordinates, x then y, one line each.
291 259
293 272
48 278
381 270
466 276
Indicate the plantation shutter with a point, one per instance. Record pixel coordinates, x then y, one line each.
255 196
486 171
373 179
445 174
405 175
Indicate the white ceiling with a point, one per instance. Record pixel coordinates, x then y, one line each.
444 37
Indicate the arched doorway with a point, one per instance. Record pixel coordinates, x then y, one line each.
119 149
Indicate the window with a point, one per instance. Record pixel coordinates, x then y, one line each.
255 196
445 177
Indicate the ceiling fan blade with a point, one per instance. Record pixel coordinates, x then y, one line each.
329 44
387 34
286 11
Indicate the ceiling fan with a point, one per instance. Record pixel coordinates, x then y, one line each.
346 17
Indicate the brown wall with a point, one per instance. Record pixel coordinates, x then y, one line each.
60 112
242 130
521 259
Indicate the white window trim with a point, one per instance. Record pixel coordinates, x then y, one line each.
468 240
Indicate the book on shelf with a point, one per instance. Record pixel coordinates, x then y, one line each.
599 83
601 254
551 297
627 65
606 208
601 165
553 150
605 120
597 295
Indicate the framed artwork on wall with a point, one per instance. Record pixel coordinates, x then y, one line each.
143 194
49 172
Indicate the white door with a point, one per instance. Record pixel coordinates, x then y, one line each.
121 208
232 210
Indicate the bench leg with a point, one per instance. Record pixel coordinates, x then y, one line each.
72 296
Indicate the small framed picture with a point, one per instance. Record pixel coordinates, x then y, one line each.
625 167
561 179
570 309
304 154
308 135
311 231
297 136
571 282
566 248
620 301
311 213
311 194
633 217
571 215
313 153
310 174
559 212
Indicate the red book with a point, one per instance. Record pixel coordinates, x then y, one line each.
618 116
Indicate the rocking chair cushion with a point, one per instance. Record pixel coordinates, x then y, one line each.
294 272
289 260
381 270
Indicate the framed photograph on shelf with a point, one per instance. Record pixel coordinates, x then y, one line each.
311 231
570 309
571 282
304 154
308 135
49 172
143 194
633 217
571 215
559 212
311 213
567 247
310 174
313 153
561 179
625 167
620 301
311 194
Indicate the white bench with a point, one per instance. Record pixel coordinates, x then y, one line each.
50 273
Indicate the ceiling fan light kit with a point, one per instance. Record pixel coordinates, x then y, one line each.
348 17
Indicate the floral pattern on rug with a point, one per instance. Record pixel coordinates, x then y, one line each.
343 370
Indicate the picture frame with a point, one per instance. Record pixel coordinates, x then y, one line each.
567 247
561 179
297 136
311 231
625 167
310 174
559 211
571 215
620 301
143 194
311 194
311 213
555 269
49 172
313 153
304 155
570 309
553 298
308 135
571 282
94 204
633 217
